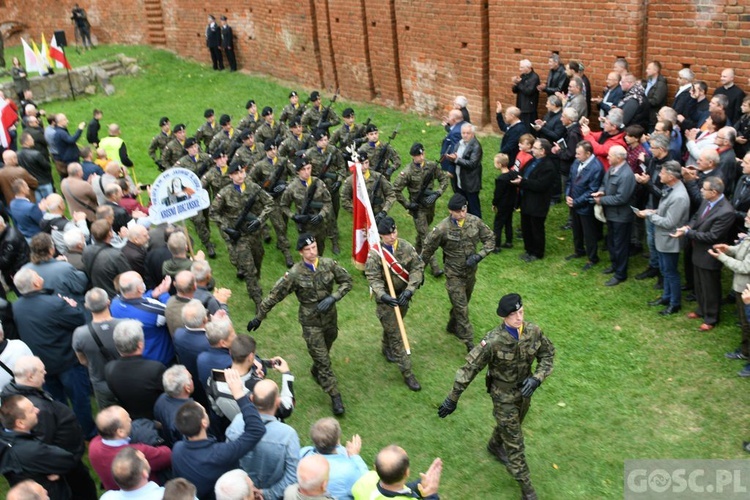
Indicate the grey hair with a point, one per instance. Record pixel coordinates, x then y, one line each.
96 300
615 117
461 101
73 238
687 74
218 330
201 269
232 485
24 280
554 100
659 141
715 183
127 335
194 314
175 379
571 114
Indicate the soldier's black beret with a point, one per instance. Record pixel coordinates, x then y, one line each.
163 121
508 304
268 110
245 134
225 120
292 94
218 153
250 104
179 127
314 95
190 142
305 239
457 202
295 122
371 128
235 166
416 149
319 134
386 225
300 162
223 18
347 113
362 156
269 144
208 113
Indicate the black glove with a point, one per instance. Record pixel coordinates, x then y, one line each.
160 165
529 386
253 324
316 219
325 304
431 199
388 300
412 206
473 259
335 186
448 407
380 215
253 226
301 219
279 188
388 172
404 298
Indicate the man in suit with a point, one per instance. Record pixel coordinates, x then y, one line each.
79 195
683 103
512 128
616 196
585 179
227 43
710 225
536 183
213 42
527 95
468 167
611 96
450 143
656 90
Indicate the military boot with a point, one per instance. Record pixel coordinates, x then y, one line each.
498 451
211 250
314 373
389 355
469 346
337 405
451 326
288 259
412 383
527 491
335 245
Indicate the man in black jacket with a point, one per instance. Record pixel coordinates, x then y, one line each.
468 161
557 79
213 42
14 252
527 95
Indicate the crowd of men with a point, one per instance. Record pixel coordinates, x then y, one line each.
132 314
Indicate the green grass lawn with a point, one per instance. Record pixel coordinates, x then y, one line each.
627 383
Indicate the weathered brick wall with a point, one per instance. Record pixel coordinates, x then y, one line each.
419 55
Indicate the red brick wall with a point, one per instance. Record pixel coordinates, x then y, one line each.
421 54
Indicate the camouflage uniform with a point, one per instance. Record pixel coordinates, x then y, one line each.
459 242
312 116
381 201
248 157
289 146
173 151
222 141
296 192
250 122
319 330
336 173
343 137
158 143
198 165
205 133
262 174
385 165
412 178
214 180
510 363
290 111
267 131
247 254
408 257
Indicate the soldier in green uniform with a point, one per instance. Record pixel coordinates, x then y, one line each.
216 176
317 116
407 274
328 165
208 130
292 110
175 148
349 133
459 235
223 138
248 154
380 191
383 158
269 129
312 201
312 280
419 178
239 210
509 350
159 142
272 174
251 120
198 162
296 140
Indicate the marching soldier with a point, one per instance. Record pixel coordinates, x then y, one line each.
159 142
407 274
175 148
313 280
208 130
296 140
383 158
292 110
379 190
349 133
272 174
223 138
269 129
198 162
251 120
215 178
419 178
328 164
317 116
239 210
458 235
248 154
312 201
510 349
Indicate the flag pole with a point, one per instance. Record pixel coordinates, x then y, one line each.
397 309
67 70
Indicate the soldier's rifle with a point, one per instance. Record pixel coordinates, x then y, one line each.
420 196
241 225
306 204
384 151
269 184
323 120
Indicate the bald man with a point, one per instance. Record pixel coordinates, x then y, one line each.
510 124
734 94
78 193
115 146
391 474
36 164
56 224
312 480
450 143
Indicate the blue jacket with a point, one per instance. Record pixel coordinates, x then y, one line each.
344 471
450 143
67 149
150 312
26 216
581 186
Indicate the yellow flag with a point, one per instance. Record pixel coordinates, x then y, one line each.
38 55
45 54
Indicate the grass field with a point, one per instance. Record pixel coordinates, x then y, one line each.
627 383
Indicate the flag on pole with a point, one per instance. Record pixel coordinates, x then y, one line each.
29 58
40 61
57 55
45 53
8 117
365 232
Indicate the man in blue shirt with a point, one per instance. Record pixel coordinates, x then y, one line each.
26 214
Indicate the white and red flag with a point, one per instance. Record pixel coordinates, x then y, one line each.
365 231
57 55
8 118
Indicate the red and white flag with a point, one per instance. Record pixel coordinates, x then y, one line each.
8 118
57 54
365 232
